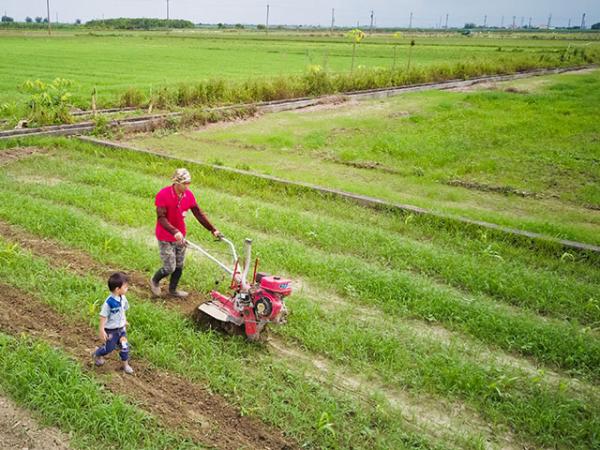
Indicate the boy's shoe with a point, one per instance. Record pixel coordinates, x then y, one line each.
98 360
128 369
154 287
178 294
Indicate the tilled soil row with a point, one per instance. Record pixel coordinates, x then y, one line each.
179 404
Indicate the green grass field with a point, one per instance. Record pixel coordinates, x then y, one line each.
537 137
405 331
114 62
423 315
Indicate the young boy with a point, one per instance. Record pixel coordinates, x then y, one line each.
113 322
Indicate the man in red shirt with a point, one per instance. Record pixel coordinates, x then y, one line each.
172 203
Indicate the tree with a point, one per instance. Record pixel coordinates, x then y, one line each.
220 26
78 22
6 19
596 26
260 26
38 20
28 19
470 25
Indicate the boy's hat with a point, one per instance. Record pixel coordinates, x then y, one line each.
181 176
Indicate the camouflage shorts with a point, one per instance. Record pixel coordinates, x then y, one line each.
171 255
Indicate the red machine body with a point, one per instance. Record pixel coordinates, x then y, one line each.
261 304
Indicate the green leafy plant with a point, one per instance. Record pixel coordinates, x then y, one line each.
48 102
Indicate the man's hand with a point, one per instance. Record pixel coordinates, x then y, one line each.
103 336
217 234
179 237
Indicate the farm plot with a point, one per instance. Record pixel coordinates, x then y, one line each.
113 63
403 333
523 154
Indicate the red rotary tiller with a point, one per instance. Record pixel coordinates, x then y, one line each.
249 306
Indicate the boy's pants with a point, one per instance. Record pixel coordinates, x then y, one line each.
114 338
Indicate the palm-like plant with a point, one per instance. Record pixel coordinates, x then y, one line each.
356 36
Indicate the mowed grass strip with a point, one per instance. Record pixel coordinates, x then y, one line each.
244 374
47 381
363 342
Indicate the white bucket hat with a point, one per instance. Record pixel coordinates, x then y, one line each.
181 176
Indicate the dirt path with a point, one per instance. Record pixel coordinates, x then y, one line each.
177 403
19 430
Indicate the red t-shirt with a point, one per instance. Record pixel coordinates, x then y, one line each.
176 209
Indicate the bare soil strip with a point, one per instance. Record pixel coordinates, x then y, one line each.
177 403
11 155
19 430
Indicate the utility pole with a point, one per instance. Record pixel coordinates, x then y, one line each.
514 18
484 21
267 27
48 10
332 18
56 21
522 21
549 20
168 9
371 26
583 21
410 21
446 26
530 22
502 22
569 25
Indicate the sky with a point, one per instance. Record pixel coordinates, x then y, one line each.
387 13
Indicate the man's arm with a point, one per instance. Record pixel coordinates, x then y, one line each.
161 214
201 217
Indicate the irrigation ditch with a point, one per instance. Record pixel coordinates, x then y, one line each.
151 121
